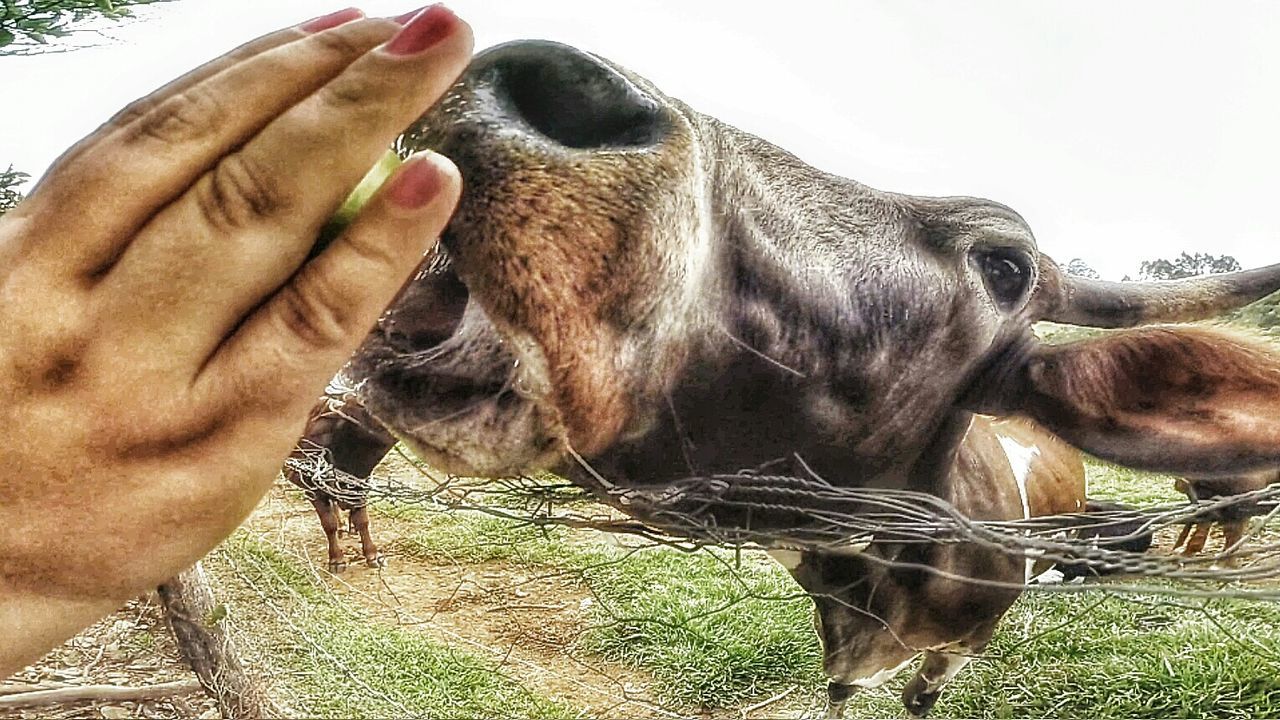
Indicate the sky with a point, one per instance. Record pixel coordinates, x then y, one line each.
1121 131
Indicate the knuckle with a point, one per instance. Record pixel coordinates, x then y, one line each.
54 353
311 310
345 94
187 116
237 193
342 43
131 112
373 251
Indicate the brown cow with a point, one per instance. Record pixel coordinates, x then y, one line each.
632 293
874 617
1233 519
340 447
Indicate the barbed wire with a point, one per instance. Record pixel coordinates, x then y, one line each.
809 513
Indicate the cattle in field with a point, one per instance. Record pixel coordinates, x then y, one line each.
340 447
1233 518
879 609
632 293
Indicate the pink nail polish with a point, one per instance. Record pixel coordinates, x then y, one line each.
425 29
417 183
332 20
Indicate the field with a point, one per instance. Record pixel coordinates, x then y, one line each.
477 616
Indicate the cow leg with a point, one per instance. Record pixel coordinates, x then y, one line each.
1232 539
935 671
838 695
1198 537
345 443
327 509
1182 536
359 519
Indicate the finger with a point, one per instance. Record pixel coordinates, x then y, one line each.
153 151
136 109
244 227
293 344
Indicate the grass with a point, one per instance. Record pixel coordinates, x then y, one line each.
718 635
1112 482
343 665
715 630
1118 656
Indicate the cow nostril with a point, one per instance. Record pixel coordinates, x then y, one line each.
574 99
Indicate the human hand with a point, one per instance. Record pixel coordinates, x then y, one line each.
161 339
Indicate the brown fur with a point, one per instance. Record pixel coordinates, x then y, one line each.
1205 396
872 617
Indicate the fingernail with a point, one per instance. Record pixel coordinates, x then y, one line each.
332 20
423 30
417 183
402 19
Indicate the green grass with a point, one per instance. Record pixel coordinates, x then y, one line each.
342 665
716 635
1112 482
714 630
719 631
1119 656
712 635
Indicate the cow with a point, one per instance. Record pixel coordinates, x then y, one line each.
332 462
1233 518
633 294
877 610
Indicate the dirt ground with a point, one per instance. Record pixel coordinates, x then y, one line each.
133 648
526 620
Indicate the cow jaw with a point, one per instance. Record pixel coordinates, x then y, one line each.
437 373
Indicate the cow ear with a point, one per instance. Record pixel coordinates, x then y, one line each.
1176 400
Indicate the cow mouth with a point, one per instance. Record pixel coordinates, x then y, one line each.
434 322
442 378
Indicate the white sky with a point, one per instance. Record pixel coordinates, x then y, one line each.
1121 131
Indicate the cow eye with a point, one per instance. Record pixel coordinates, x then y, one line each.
1007 274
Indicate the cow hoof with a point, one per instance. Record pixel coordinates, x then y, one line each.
337 566
919 704
837 695
377 561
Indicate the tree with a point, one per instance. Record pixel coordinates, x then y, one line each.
10 181
27 26
1186 265
1080 268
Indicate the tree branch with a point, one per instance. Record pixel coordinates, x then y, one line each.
85 693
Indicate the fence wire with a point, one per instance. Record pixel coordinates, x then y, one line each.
809 513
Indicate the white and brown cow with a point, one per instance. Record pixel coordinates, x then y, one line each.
632 293
879 609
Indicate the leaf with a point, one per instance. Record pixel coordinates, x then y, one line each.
216 615
6 37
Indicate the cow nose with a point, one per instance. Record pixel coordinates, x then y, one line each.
569 97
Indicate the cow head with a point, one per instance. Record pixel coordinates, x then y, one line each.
658 295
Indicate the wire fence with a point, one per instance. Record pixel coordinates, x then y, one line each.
812 514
